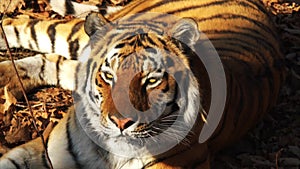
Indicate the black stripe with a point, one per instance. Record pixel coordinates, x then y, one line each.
259 54
32 24
74 44
15 163
75 29
107 64
57 69
244 4
156 27
243 64
229 33
120 45
266 44
113 36
17 35
154 62
151 50
44 159
237 16
97 82
151 41
164 44
73 49
42 71
131 6
263 41
199 6
259 5
51 31
70 145
30 46
92 96
157 5
222 49
69 8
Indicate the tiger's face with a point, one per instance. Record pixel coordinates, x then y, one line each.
139 95
142 94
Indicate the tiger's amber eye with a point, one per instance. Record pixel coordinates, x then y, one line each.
152 80
108 76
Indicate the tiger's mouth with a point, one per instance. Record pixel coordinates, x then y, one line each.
158 126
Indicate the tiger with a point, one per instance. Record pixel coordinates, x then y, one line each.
142 84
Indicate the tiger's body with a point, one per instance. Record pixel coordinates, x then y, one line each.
99 62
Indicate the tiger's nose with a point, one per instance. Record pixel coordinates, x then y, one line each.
122 123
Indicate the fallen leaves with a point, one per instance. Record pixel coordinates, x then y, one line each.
7 100
49 106
282 6
9 6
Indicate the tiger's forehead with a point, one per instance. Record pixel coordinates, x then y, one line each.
142 52
142 60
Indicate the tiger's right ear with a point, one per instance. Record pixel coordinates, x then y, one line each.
185 30
93 22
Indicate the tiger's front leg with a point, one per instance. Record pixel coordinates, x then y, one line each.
196 157
41 69
25 156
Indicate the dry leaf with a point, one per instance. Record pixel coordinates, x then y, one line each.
21 134
6 100
290 161
9 6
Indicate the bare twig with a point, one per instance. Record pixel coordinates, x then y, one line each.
25 96
34 15
277 157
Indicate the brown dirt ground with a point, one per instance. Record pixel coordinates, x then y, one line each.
273 144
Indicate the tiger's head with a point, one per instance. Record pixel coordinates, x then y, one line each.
136 93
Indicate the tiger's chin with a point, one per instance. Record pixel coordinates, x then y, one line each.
133 147
124 146
145 143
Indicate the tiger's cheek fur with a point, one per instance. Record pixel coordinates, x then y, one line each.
164 92
106 104
135 92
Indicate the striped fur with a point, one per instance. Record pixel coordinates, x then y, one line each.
240 31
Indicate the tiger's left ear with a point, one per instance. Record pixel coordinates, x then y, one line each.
93 22
185 30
